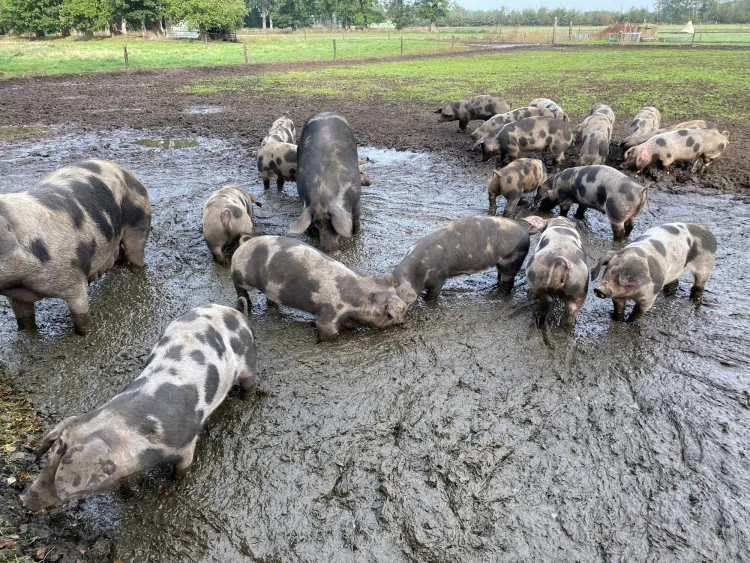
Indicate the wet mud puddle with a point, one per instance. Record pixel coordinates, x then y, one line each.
467 434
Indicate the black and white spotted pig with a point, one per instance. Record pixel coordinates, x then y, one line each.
639 138
65 232
292 273
599 187
328 180
646 120
227 215
477 107
280 160
550 105
700 146
282 131
653 263
529 135
157 418
513 180
558 267
466 246
595 132
496 122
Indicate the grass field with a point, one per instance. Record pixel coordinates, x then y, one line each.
717 83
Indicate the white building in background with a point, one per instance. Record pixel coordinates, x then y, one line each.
181 30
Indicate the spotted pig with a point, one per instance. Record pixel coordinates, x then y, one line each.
550 105
282 131
280 160
595 133
65 232
529 135
700 146
157 418
646 120
292 273
477 107
328 180
639 138
227 215
463 247
653 263
495 123
558 267
599 187
519 177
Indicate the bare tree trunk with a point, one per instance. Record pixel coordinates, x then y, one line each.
270 21
432 26
143 28
124 25
263 17
162 31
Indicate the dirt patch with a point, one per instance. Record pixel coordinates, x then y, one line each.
466 434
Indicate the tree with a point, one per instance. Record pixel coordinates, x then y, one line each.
35 16
86 15
432 10
293 13
208 14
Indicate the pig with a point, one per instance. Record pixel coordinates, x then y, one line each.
646 120
280 160
701 146
477 107
528 135
227 215
328 180
603 188
364 180
653 263
465 246
595 132
558 267
282 131
63 233
603 109
496 122
639 138
519 177
292 273
550 105
157 418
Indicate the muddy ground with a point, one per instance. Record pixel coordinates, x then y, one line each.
467 434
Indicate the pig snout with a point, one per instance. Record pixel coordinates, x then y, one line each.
603 291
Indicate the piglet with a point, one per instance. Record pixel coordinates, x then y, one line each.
277 159
699 146
227 215
653 263
513 180
558 267
157 418
476 107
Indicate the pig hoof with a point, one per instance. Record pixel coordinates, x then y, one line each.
696 294
505 288
26 323
82 323
540 318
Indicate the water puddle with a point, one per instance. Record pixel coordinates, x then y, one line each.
166 144
203 110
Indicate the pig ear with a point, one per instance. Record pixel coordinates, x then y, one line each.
496 172
438 110
341 220
85 468
479 142
603 261
253 199
8 240
633 275
52 436
245 238
301 224
536 224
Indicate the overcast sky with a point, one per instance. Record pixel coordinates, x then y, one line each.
582 5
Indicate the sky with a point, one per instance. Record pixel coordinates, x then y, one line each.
581 5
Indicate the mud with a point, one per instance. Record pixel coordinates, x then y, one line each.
465 435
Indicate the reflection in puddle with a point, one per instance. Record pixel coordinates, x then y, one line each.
166 144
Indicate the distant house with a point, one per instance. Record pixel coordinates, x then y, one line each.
181 30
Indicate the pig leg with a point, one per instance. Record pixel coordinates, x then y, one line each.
434 287
640 308
545 302
580 212
493 204
564 209
618 232
24 313
218 254
328 325
699 282
671 287
572 308
629 224
507 270
462 123
78 303
619 312
266 182
242 292
280 182
356 226
513 198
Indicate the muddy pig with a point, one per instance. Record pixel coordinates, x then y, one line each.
550 105
227 215
280 160
600 187
477 107
157 418
639 138
496 122
558 267
363 178
292 273
654 262
65 232
529 135
328 180
646 120
466 246
519 177
282 131
701 146
596 132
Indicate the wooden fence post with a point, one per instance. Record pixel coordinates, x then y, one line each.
554 32
402 45
453 43
305 32
334 49
125 52
244 48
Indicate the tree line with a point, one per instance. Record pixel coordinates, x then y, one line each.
46 17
